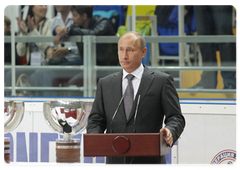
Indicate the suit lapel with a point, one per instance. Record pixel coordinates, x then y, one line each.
117 86
145 84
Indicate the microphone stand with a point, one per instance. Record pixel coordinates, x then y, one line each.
111 130
134 124
134 127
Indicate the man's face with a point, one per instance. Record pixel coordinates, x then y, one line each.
61 8
5 28
77 19
129 53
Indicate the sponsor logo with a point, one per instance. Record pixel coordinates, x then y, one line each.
225 157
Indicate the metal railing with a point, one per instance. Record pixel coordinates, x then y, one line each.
90 68
158 39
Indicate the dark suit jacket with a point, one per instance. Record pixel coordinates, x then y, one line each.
158 99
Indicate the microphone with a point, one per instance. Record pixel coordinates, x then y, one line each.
135 115
111 130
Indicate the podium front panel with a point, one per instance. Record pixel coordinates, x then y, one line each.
127 144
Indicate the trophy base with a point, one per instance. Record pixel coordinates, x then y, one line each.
67 151
7 150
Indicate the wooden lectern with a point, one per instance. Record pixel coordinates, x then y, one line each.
125 144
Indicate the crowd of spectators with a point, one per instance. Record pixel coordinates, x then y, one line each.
69 21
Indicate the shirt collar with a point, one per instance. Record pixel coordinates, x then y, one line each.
69 17
137 73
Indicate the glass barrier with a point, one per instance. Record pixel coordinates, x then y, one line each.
69 80
81 80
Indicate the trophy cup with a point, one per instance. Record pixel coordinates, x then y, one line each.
68 118
13 114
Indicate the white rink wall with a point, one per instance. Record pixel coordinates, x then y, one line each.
209 135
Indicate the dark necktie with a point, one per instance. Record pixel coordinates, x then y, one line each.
128 95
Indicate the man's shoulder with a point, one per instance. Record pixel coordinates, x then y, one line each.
56 21
161 74
110 76
157 73
98 18
57 18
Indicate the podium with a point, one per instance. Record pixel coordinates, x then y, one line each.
125 144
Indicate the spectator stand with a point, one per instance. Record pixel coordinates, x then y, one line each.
145 24
168 26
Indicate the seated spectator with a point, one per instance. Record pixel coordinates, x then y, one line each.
86 24
65 53
115 13
7 46
216 20
36 25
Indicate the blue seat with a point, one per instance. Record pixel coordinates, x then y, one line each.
171 28
193 26
118 8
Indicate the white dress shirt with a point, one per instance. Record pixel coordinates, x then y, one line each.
58 21
136 80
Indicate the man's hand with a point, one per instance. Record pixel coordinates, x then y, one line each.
49 53
61 30
167 136
60 51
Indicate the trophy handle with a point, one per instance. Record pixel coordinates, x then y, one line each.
85 111
16 118
49 119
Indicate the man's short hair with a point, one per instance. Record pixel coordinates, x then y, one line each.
141 39
88 9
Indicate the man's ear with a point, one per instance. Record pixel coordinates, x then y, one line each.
144 51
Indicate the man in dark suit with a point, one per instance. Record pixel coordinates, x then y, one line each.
154 97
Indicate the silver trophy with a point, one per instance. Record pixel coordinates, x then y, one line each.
13 115
68 118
